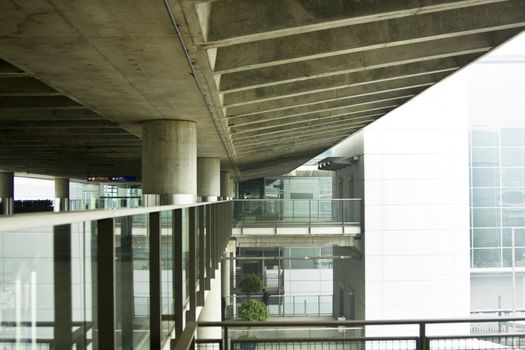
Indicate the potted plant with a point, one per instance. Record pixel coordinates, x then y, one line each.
251 310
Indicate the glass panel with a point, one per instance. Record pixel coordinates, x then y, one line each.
166 225
513 197
486 217
132 281
484 138
513 177
519 256
486 237
512 137
507 237
485 157
485 197
512 157
513 217
486 257
36 266
519 237
485 177
507 257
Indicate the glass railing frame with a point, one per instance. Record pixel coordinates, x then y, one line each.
217 230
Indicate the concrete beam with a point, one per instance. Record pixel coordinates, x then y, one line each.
294 123
25 86
46 124
322 106
320 136
360 37
365 60
26 102
333 82
53 130
259 20
293 144
337 94
310 127
8 70
47 114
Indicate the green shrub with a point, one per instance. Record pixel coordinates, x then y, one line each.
250 283
254 310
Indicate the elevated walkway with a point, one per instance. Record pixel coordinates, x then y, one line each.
296 222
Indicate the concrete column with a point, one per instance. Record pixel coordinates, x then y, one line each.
169 162
211 310
61 194
226 275
7 192
225 185
208 179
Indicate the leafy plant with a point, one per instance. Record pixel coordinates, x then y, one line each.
250 283
254 310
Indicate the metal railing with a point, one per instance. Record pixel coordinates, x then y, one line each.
288 305
293 213
435 334
130 274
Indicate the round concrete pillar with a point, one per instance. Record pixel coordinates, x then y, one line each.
7 191
212 310
169 162
225 185
61 194
208 179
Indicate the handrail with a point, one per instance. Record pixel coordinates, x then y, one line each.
295 199
31 220
186 338
334 323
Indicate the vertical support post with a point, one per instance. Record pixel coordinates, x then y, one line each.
63 325
106 284
423 340
226 340
177 271
202 258
125 287
192 315
210 273
155 287
310 216
7 192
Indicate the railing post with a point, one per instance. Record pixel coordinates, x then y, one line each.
201 257
208 248
226 345
62 286
155 314
310 216
191 267
125 285
106 284
423 340
177 277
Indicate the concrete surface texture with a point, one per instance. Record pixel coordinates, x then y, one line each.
270 84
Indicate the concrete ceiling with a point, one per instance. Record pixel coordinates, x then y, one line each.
270 83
